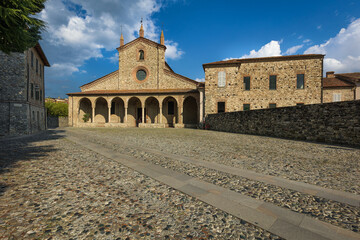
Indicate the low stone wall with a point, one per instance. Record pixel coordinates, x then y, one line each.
336 123
54 122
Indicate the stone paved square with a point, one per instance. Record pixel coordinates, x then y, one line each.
52 187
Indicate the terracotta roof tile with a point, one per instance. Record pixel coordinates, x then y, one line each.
42 54
134 91
335 82
262 59
354 77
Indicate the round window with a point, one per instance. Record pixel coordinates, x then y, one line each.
140 75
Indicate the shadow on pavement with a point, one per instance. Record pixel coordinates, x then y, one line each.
13 150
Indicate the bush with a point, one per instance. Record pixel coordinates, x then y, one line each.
57 109
86 117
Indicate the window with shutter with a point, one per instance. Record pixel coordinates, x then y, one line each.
272 82
336 97
246 107
247 83
272 105
300 81
221 79
221 107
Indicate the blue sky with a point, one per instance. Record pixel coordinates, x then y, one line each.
82 36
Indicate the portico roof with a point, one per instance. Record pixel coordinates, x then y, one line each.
134 91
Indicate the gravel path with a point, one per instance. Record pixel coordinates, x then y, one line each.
339 214
52 188
324 165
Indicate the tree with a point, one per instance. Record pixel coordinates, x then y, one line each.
19 29
57 109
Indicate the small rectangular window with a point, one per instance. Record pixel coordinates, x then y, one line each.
171 108
272 105
246 107
272 82
247 83
32 90
221 107
221 79
40 94
37 66
300 81
37 94
112 108
336 97
32 59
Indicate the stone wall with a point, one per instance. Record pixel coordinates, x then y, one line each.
54 121
347 94
260 96
336 123
20 111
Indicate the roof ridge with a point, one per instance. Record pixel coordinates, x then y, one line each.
116 71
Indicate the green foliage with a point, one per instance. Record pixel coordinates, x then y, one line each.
57 109
19 29
86 117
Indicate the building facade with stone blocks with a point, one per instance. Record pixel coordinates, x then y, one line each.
22 92
341 87
144 91
268 82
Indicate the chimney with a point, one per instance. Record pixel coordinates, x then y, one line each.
330 74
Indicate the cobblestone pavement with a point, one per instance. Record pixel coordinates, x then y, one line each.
52 188
339 214
329 166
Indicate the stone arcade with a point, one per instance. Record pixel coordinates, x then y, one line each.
143 92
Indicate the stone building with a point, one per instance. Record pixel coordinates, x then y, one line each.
143 92
341 87
22 92
267 82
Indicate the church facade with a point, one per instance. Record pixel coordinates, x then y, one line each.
143 92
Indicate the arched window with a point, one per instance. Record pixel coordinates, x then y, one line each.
141 55
221 79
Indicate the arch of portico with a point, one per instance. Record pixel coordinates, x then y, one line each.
134 111
144 110
152 110
101 110
190 110
85 107
170 111
117 110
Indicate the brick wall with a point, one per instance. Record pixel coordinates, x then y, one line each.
337 123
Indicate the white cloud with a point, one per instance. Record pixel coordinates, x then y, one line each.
342 51
172 50
200 79
293 49
81 30
268 50
114 58
62 69
306 41
319 27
